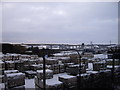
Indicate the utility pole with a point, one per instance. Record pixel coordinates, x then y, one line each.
44 78
79 77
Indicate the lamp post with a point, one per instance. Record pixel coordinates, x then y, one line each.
79 77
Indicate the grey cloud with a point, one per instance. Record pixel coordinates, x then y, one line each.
60 22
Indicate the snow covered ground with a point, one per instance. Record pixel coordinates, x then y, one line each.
102 56
29 83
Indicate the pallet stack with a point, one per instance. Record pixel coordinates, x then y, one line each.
30 74
69 81
35 67
9 65
99 65
51 61
110 62
74 69
14 79
19 65
49 74
2 68
58 68
51 83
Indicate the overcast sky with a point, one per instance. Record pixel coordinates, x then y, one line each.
72 23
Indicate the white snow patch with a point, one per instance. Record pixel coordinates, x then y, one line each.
14 74
102 56
67 76
90 66
29 83
47 70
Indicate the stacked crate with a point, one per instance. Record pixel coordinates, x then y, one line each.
88 55
117 76
74 69
13 78
63 59
33 56
85 61
30 74
2 68
61 68
39 60
51 84
58 68
9 72
19 65
32 62
51 61
69 81
99 66
35 67
93 79
49 74
74 58
66 65
110 62
9 65
27 64
105 79
26 67
83 79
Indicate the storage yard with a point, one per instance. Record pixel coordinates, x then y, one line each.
63 71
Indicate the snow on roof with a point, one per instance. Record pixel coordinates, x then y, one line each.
64 58
31 72
105 70
47 70
14 74
100 56
101 62
92 72
67 76
111 59
13 54
84 74
52 82
37 65
40 58
58 54
25 55
10 71
57 58
69 63
52 59
110 66
9 61
25 59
